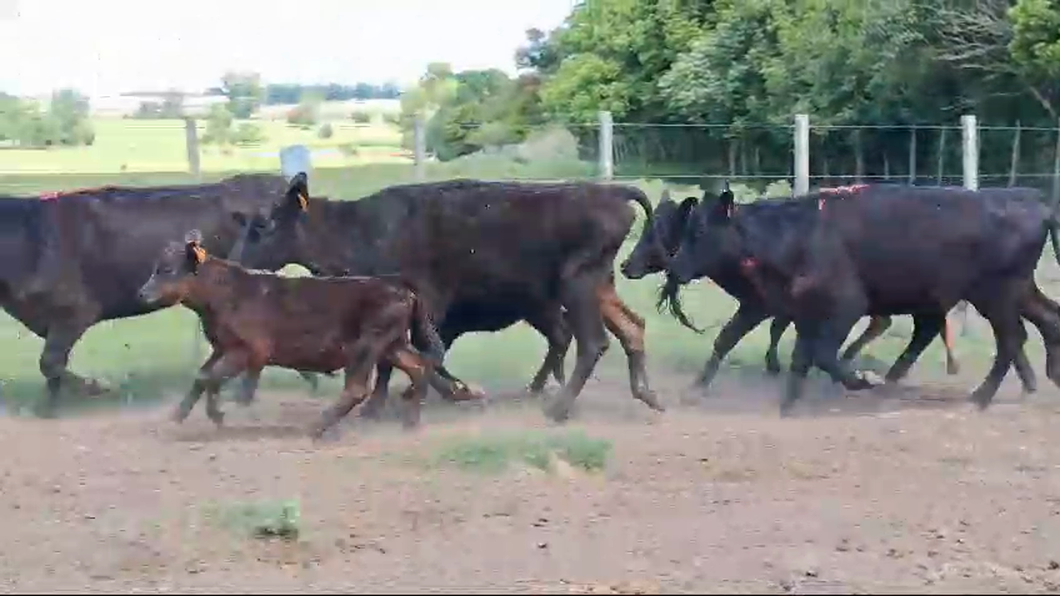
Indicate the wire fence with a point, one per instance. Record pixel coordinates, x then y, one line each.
694 154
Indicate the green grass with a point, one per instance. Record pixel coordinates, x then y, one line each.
138 146
493 453
257 519
155 355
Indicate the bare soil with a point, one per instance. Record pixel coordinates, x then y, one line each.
885 491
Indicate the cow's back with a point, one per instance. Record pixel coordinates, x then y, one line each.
470 227
908 242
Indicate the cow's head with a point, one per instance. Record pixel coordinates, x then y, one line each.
658 244
174 270
705 240
273 241
248 199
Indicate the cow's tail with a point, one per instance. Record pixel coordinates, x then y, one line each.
641 199
424 333
1054 236
1054 227
670 298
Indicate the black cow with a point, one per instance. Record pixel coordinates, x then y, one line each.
494 251
79 258
657 245
827 259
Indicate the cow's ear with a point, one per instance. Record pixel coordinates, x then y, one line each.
665 196
298 192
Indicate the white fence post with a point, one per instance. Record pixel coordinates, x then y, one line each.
295 159
607 148
191 139
970 150
802 154
420 147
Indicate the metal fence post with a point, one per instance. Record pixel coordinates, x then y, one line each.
607 147
420 147
191 141
802 154
970 151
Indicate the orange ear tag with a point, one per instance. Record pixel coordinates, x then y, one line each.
303 202
200 254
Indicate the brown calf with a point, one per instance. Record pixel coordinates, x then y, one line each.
318 324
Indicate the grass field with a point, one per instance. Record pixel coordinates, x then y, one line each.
132 146
148 356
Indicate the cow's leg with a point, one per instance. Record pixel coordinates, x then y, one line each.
583 308
742 322
776 331
877 326
628 327
831 334
925 328
952 366
1044 314
1003 313
180 413
416 367
364 355
1023 366
551 323
801 359
55 358
248 388
373 408
228 367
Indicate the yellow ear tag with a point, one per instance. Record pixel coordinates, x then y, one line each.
303 202
200 254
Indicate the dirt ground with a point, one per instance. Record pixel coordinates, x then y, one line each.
898 491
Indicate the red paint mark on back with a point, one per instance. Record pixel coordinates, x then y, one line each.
852 189
55 194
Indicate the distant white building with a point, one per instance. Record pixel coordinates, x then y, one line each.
126 104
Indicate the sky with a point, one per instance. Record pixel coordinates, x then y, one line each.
103 47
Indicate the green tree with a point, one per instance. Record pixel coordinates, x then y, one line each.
218 126
244 91
69 109
1035 49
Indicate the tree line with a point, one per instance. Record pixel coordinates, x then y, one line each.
752 64
26 124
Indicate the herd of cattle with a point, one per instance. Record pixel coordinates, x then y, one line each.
399 275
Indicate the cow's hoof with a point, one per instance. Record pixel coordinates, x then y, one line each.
218 418
559 410
464 392
772 367
981 400
651 399
94 388
952 368
374 414
179 415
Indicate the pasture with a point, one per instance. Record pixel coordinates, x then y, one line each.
137 146
890 490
